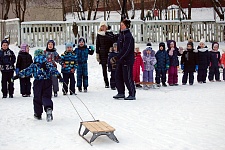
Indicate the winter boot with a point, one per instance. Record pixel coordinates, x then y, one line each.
79 89
130 98
164 84
49 116
85 90
10 96
36 116
55 94
119 96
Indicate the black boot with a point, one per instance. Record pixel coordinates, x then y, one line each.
119 96
36 116
49 116
130 98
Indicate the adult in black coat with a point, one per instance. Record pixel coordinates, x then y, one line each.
103 44
125 61
24 59
189 61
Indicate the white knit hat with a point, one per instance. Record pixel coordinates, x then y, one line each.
202 41
103 23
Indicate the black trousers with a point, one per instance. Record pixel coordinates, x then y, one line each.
105 75
7 85
160 74
112 79
202 74
25 86
185 76
124 74
214 71
69 77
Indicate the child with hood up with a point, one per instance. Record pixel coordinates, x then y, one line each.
138 63
189 63
222 60
42 71
53 57
173 53
203 61
24 59
149 62
214 63
69 66
82 52
7 60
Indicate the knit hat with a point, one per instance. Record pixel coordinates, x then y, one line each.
103 23
81 40
214 44
148 49
38 52
23 47
69 45
114 44
202 41
51 41
190 43
126 22
149 44
163 45
4 41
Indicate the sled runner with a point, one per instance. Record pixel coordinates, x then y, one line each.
148 85
98 128
145 83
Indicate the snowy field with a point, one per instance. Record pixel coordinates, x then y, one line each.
170 118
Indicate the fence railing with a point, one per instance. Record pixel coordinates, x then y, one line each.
38 33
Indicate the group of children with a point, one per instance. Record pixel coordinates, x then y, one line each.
43 67
166 62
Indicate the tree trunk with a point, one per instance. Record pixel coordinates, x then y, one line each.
132 8
63 10
7 6
23 10
189 9
142 9
123 14
96 10
90 7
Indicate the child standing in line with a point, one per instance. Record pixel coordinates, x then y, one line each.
138 63
82 52
42 86
214 63
189 63
112 66
173 52
222 60
53 57
7 60
149 62
162 64
24 59
203 61
69 65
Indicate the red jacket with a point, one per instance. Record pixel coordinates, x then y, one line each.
138 62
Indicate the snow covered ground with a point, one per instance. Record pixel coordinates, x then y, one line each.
170 118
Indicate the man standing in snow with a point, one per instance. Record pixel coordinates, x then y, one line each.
125 61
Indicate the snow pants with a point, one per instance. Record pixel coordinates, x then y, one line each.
160 74
202 74
214 71
25 86
224 74
136 75
112 79
124 74
42 90
68 77
148 76
185 76
82 75
105 74
172 75
7 85
55 84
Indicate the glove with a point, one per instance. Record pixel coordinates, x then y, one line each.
182 67
109 69
72 70
113 60
43 65
17 71
14 78
60 78
92 48
196 67
97 57
64 65
155 65
167 67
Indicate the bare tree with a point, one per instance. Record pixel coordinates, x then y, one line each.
96 9
5 8
132 9
20 9
142 9
63 10
90 7
189 9
184 14
81 7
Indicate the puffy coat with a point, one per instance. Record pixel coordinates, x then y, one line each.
173 58
40 69
203 57
52 56
103 44
222 60
24 60
82 54
189 59
112 67
68 62
7 60
149 60
162 59
138 62
214 58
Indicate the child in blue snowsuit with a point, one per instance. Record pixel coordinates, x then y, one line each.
42 85
69 65
7 60
82 52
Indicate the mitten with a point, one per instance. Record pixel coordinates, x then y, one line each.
113 60
91 47
196 67
60 78
17 71
167 67
72 70
64 65
97 57
109 69
14 78
182 67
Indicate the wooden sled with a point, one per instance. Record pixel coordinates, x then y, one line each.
97 128
152 84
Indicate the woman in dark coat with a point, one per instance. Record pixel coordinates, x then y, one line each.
103 44
125 62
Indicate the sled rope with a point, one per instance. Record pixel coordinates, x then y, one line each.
79 100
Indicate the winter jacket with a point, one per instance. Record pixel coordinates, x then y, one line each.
52 56
149 60
162 60
7 60
112 67
175 53
68 62
203 57
138 62
40 69
189 59
24 60
222 60
214 58
103 44
82 54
